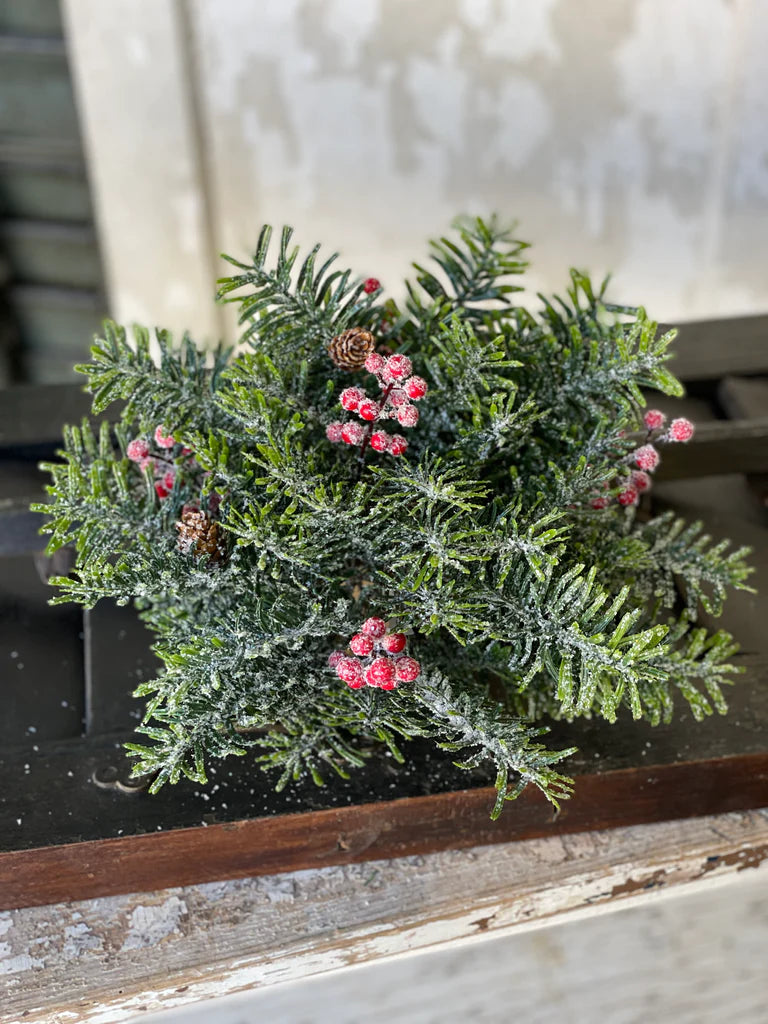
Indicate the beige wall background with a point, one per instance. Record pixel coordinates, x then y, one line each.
629 135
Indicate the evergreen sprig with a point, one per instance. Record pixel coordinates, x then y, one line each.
505 541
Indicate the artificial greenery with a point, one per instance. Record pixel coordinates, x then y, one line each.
521 594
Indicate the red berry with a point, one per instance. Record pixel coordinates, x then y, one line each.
599 502
680 430
641 480
371 285
374 627
407 669
350 398
394 642
398 367
380 440
375 363
351 671
361 644
333 431
654 419
646 457
137 450
381 672
397 397
352 433
628 496
416 388
408 415
161 491
163 439
368 410
168 479
397 445
334 658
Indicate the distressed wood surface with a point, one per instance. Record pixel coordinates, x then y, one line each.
698 958
711 349
106 961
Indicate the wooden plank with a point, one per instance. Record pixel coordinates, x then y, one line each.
57 190
397 828
718 448
748 399
710 349
32 415
32 17
52 253
110 960
37 91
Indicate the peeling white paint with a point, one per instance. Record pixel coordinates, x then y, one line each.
151 923
78 938
16 964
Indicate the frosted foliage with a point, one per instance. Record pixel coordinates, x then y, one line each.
381 520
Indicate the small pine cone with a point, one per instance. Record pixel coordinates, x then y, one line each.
350 349
200 535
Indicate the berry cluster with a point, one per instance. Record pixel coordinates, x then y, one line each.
647 457
377 659
399 390
160 461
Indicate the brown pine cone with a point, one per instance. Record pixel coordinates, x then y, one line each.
351 348
200 535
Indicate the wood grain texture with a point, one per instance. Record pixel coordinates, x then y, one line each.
105 961
398 828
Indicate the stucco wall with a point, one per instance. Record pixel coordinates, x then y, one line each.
630 135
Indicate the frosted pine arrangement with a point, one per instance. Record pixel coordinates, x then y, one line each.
377 521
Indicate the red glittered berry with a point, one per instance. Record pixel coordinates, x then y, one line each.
416 388
361 644
161 490
398 367
371 285
162 439
641 480
334 658
168 479
600 502
628 496
333 431
352 433
374 627
646 457
380 440
394 642
654 419
407 669
375 363
381 673
368 410
680 430
351 671
350 398
397 445
408 416
397 397
137 449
